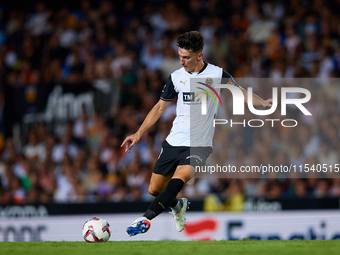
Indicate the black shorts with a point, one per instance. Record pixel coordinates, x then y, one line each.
173 156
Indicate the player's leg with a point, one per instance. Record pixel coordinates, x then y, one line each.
165 189
178 162
185 173
158 184
168 197
161 176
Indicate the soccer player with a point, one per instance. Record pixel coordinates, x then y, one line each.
190 140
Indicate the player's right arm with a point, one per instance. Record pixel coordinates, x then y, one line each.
167 95
155 113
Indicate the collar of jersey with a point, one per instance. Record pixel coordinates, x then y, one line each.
203 68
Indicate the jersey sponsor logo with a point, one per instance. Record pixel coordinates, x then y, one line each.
192 98
183 82
188 96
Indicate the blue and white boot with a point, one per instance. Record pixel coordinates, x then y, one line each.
139 226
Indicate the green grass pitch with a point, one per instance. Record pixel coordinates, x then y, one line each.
299 247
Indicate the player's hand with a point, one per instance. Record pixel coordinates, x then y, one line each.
267 103
130 141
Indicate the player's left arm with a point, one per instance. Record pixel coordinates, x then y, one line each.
257 101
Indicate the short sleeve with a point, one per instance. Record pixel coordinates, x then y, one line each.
225 74
168 92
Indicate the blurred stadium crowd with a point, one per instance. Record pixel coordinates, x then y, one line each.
134 41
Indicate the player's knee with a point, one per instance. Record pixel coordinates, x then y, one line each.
154 192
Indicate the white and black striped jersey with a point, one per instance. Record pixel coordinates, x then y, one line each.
191 127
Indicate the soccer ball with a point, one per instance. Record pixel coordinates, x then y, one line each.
96 230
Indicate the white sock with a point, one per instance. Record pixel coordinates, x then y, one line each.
177 207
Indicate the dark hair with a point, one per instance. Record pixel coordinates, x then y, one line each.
192 40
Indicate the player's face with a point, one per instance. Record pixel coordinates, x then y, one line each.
189 60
